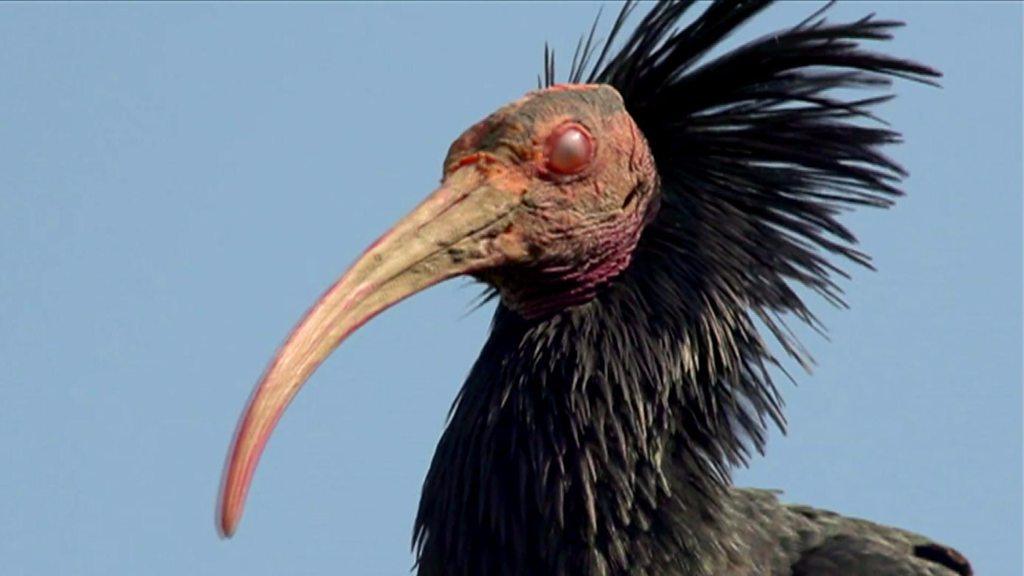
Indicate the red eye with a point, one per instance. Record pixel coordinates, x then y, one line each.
569 149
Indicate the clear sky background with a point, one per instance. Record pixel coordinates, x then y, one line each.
179 182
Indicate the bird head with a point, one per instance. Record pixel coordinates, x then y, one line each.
544 200
566 182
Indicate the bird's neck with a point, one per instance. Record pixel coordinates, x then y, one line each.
594 439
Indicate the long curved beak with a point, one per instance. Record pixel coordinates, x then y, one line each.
452 232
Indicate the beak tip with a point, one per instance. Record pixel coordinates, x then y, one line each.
229 511
226 526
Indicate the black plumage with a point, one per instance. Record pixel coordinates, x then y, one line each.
599 440
642 231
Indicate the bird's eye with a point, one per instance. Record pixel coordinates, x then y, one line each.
569 149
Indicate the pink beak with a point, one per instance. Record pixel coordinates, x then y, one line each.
456 230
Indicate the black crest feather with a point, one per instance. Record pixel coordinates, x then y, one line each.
633 407
764 142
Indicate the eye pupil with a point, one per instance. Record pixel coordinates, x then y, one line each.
570 150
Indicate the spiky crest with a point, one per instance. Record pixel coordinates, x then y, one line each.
595 441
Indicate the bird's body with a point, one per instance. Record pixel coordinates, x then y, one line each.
570 452
760 536
638 229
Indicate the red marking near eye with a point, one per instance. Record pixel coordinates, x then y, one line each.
471 159
570 148
483 159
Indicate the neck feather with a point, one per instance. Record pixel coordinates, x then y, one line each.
600 435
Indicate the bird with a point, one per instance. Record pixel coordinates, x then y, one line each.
646 227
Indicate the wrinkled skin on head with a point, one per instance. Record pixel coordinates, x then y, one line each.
570 232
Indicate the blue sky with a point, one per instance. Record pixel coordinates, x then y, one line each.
179 182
